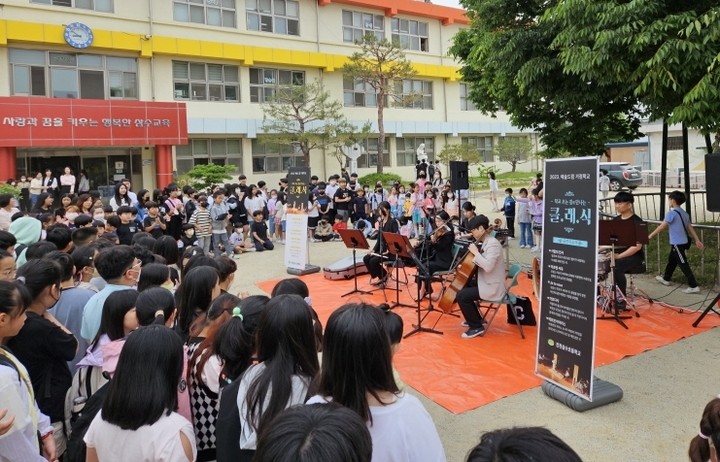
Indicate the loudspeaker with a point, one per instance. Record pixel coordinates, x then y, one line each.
712 187
459 175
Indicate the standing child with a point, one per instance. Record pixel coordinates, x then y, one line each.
493 191
202 222
271 211
360 206
604 183
508 209
681 233
451 203
259 233
220 219
417 201
128 227
393 201
536 210
401 200
313 215
524 219
280 218
154 223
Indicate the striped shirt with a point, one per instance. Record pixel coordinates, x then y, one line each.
204 221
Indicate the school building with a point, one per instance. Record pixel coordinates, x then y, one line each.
147 89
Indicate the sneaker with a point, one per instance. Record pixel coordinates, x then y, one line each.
464 324
237 255
511 238
662 280
472 333
691 290
251 249
535 250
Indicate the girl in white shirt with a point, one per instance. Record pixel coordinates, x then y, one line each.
67 182
493 191
136 421
357 373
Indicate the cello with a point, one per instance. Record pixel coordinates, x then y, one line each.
465 271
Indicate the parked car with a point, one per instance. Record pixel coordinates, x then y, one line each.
622 175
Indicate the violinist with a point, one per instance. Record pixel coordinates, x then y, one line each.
379 254
441 240
490 275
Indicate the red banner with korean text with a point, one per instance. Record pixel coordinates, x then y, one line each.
59 122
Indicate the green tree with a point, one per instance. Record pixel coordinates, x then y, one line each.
381 64
204 175
664 53
460 151
514 150
305 118
509 65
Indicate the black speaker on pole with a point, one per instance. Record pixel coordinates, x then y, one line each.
459 175
712 186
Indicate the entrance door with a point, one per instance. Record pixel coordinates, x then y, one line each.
97 171
55 163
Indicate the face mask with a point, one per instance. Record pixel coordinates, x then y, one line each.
333 182
169 286
23 179
100 217
437 176
71 216
366 189
273 197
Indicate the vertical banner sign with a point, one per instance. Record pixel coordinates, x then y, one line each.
566 331
296 240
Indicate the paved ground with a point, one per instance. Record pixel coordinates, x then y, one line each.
665 389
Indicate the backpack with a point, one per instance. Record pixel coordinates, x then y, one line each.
85 383
5 361
76 447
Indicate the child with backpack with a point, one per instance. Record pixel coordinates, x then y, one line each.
508 209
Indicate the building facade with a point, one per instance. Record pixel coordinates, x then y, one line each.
219 60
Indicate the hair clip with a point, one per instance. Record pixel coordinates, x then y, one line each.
308 300
20 279
236 313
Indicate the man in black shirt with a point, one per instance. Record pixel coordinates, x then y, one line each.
627 258
128 227
342 199
258 230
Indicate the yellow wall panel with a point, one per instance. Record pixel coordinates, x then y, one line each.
25 31
102 39
301 58
188 47
232 51
262 54
126 41
165 45
3 32
282 56
211 49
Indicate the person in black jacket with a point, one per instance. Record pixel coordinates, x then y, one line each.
373 262
441 240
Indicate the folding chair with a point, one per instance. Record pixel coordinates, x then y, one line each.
508 299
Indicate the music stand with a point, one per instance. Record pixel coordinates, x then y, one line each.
396 245
354 239
624 233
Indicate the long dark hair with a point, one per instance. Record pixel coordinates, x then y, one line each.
154 274
152 300
121 199
167 248
141 198
357 358
700 447
146 379
195 295
39 274
286 346
114 310
41 201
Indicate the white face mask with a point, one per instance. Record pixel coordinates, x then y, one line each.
333 182
71 216
437 176
100 217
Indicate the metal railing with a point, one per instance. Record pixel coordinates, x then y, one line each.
647 206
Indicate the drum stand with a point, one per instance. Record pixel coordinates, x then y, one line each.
609 305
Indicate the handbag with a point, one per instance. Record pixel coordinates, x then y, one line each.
689 239
523 311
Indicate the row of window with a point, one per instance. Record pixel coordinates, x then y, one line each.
86 76
268 158
277 17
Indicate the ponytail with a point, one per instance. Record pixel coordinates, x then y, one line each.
709 432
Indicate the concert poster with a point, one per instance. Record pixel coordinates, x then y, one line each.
296 223
566 325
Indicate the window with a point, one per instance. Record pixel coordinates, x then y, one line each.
412 35
407 150
465 103
268 158
265 82
210 12
216 151
97 5
70 75
484 145
413 94
369 157
675 143
206 82
358 93
356 25
278 16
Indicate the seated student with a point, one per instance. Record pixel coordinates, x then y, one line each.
146 380
259 232
357 373
128 227
523 443
364 226
490 276
324 231
237 240
188 238
339 224
315 433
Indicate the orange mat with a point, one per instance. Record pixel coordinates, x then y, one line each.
461 374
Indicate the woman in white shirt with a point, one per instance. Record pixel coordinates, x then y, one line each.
137 421
287 365
357 373
7 210
253 200
67 182
35 189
